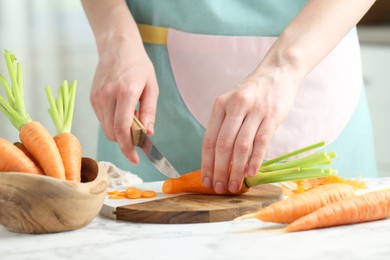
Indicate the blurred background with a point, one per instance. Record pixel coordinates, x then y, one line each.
53 41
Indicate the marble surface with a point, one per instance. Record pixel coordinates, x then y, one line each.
105 238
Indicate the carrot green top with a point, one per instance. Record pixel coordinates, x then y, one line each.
61 109
14 109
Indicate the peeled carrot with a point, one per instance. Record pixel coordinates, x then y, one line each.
191 182
296 206
61 112
12 159
367 207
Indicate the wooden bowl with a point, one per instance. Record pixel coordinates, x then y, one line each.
31 203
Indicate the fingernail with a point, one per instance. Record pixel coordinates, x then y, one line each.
233 186
219 187
206 182
150 129
251 172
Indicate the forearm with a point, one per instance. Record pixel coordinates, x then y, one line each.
317 29
111 21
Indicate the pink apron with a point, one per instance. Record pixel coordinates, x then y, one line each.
206 66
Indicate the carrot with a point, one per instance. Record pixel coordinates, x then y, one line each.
70 150
13 159
270 172
131 193
42 147
24 150
116 197
148 194
68 144
190 182
367 207
296 206
32 134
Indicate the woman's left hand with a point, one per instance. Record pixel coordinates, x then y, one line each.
241 126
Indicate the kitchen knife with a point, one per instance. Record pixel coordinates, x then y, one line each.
142 140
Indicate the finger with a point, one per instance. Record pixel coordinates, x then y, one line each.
242 150
125 107
208 144
108 116
260 144
224 150
148 104
105 114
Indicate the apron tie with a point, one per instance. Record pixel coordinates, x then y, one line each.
153 34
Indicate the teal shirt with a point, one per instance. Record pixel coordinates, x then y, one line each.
178 135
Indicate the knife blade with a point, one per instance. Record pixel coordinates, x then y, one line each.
143 141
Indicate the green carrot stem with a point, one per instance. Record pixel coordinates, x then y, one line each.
14 109
7 90
60 105
13 116
53 111
288 175
311 160
294 153
20 83
65 97
61 110
11 65
70 107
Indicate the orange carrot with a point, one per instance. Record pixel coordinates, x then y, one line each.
296 206
70 150
367 207
191 182
271 171
32 134
42 147
61 112
13 159
24 150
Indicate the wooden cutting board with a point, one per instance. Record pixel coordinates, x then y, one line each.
191 208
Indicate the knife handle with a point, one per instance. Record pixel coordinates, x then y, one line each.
138 132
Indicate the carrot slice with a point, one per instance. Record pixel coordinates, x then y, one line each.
148 194
116 197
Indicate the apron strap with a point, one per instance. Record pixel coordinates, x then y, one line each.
153 34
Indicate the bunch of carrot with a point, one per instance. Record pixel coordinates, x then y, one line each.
38 152
325 206
273 171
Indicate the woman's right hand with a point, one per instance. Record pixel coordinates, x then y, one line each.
124 77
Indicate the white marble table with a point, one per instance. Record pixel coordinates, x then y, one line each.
108 239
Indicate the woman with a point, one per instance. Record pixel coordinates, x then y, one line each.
230 83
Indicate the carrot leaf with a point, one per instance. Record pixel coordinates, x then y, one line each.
307 167
14 109
61 109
